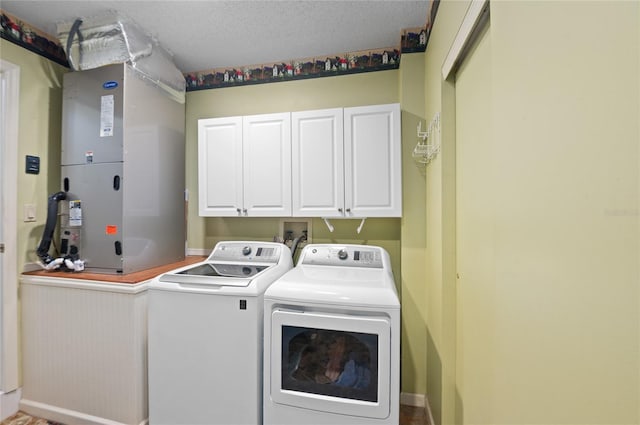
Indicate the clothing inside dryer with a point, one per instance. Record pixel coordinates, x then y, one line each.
330 362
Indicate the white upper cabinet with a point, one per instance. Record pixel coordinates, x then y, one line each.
266 156
220 166
373 161
318 164
244 166
347 162
327 163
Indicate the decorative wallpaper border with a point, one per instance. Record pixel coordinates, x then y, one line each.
24 35
350 63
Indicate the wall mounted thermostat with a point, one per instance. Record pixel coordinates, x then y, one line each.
32 165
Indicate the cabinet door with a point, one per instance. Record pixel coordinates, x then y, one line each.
220 166
317 164
267 165
373 173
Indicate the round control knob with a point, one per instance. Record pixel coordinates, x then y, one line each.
246 250
246 271
343 254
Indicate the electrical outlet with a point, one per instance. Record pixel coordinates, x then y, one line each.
29 212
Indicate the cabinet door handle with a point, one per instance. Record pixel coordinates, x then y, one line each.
238 210
349 210
244 210
339 210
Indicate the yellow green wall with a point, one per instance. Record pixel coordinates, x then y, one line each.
39 126
545 328
40 113
413 231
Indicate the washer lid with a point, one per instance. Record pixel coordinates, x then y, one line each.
223 270
216 274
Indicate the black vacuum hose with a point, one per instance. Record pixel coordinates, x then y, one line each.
50 226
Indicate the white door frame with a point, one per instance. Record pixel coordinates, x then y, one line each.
475 21
10 101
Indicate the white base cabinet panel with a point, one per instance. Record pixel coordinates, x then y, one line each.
84 351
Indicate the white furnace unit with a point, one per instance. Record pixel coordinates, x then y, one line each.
123 167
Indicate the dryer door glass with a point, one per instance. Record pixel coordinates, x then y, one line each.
331 362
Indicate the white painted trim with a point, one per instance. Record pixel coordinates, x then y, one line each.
198 251
9 289
472 24
31 267
89 285
9 403
65 416
410 399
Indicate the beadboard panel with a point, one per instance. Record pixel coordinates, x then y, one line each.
84 348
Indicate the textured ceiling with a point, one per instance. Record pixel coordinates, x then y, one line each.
221 33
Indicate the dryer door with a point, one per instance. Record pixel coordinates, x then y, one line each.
331 362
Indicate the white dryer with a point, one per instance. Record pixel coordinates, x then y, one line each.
205 335
332 339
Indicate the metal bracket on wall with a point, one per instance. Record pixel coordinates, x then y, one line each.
429 146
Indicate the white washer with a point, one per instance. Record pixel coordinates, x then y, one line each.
332 339
205 335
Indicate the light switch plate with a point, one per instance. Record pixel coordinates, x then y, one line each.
29 212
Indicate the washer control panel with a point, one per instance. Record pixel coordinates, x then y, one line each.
246 252
342 255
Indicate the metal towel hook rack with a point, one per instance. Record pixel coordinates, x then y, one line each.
429 145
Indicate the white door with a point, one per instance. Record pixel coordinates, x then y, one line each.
2 203
331 362
373 161
317 164
220 166
266 145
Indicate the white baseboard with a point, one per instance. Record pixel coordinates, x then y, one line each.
198 251
66 416
9 403
409 399
427 407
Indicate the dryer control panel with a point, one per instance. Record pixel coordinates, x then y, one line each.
343 255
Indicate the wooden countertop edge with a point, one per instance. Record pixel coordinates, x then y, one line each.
131 278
